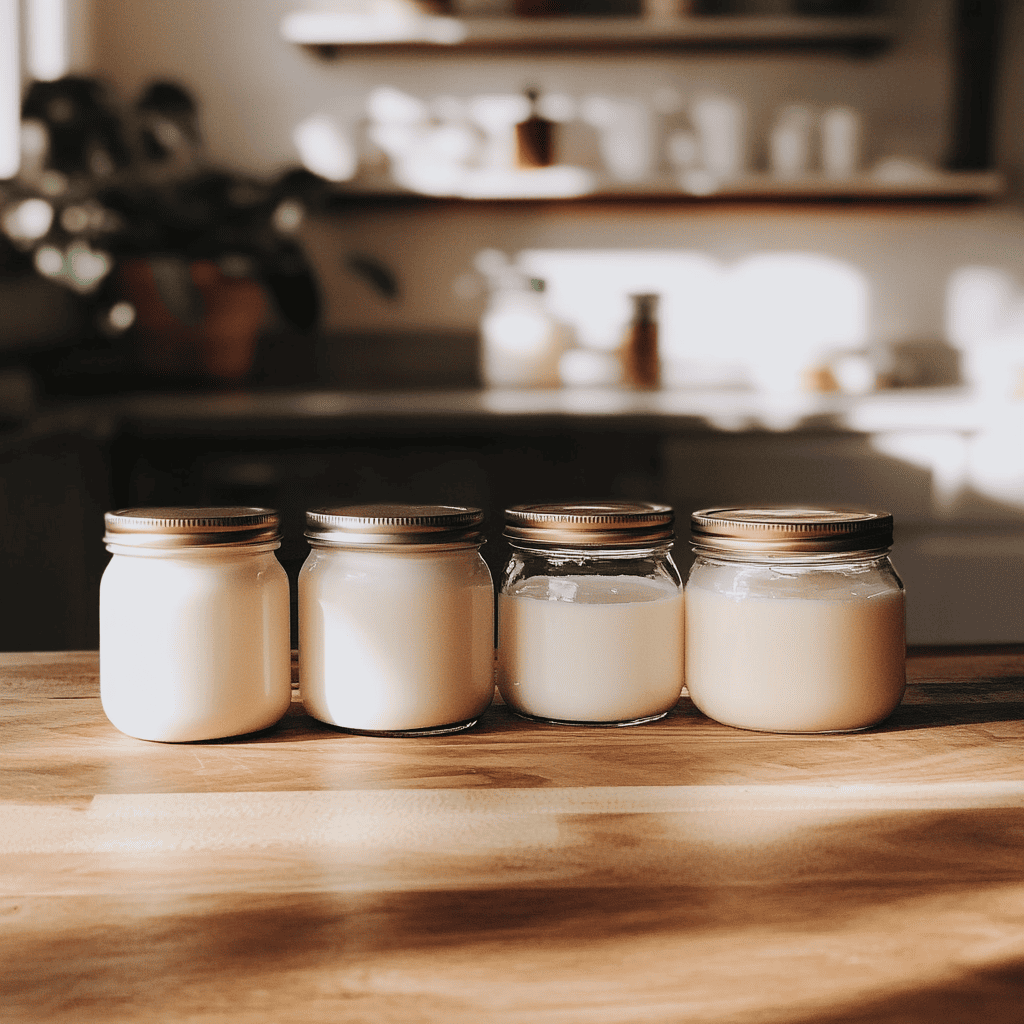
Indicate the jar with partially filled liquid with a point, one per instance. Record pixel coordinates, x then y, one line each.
794 619
396 619
194 625
590 614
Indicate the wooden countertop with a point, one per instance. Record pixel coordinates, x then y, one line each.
678 871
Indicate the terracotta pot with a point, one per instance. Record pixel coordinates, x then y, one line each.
220 345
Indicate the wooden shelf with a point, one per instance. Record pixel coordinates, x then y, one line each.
330 34
940 186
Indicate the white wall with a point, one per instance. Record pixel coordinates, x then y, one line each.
254 88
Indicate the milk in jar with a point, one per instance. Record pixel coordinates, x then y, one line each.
194 623
396 619
590 614
794 619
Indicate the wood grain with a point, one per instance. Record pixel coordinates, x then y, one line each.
679 871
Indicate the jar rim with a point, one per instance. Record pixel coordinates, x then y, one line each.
822 559
782 530
616 551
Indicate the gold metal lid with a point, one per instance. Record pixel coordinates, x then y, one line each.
191 526
590 524
395 525
782 531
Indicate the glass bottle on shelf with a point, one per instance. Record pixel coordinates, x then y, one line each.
641 367
521 341
534 137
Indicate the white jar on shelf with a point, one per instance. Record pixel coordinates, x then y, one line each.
521 343
194 625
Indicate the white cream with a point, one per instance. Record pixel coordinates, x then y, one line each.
591 648
794 651
194 643
393 640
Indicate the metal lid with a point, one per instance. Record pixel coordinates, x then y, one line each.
191 527
387 525
590 524
789 530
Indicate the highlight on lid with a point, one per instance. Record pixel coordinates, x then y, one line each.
387 524
191 526
791 530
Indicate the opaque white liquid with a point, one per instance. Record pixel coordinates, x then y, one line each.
194 645
591 648
830 659
393 641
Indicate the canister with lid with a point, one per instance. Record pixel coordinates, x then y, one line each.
396 619
794 619
590 613
194 630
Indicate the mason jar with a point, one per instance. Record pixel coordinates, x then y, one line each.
590 614
194 624
794 619
396 619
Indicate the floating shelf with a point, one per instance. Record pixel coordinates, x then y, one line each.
940 186
332 34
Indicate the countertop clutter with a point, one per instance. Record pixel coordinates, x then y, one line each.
680 870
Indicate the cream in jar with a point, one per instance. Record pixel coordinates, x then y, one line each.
396 619
794 619
194 630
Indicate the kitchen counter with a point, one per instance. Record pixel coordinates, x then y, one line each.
677 871
616 408
282 412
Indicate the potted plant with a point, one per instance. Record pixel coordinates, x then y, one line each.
176 257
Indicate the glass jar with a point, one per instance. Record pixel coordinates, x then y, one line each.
794 619
194 629
590 614
396 619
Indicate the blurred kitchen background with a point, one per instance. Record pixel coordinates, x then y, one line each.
302 252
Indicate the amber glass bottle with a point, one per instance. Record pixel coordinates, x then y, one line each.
640 364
